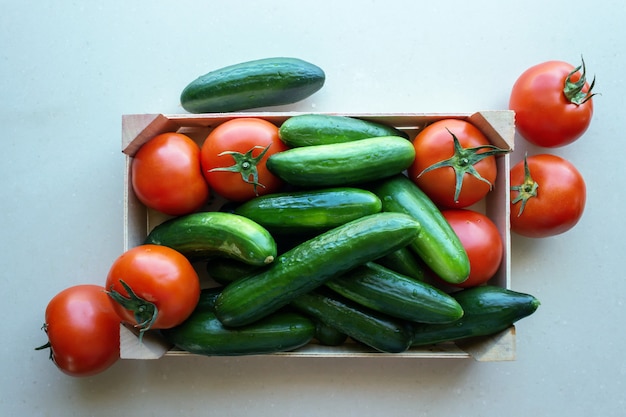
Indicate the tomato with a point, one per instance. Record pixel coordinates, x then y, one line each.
552 103
482 242
166 175
153 287
547 196
83 330
234 157
454 163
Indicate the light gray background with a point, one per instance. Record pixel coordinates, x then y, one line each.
70 69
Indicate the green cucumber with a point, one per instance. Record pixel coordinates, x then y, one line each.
488 310
369 327
324 129
308 265
310 211
404 262
226 270
200 236
437 245
248 85
397 295
203 334
327 335
343 164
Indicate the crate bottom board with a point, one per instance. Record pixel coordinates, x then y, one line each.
497 347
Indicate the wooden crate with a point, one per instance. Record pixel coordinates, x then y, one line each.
498 126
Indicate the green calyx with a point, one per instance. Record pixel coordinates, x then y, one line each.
574 90
526 190
246 165
145 312
463 162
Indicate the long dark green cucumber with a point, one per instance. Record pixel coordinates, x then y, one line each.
437 245
309 211
203 235
324 129
397 295
310 264
225 270
203 334
247 85
488 310
327 335
371 328
343 164
405 262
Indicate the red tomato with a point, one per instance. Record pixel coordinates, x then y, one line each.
166 175
482 242
547 196
552 103
153 287
234 157
83 330
454 173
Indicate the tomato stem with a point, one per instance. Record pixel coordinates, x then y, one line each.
574 90
145 311
463 162
246 165
527 189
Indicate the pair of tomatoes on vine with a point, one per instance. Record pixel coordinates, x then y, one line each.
230 162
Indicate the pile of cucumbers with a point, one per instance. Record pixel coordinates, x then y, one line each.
345 253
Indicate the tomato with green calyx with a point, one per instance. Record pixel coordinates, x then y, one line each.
234 157
454 163
553 103
153 287
482 241
166 175
548 196
83 330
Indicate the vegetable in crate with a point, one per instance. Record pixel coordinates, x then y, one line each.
309 211
437 244
252 84
548 196
343 164
203 334
487 310
454 163
553 103
324 129
200 236
310 264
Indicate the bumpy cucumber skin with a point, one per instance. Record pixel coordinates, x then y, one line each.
260 83
343 164
324 129
199 236
371 328
488 310
386 291
437 245
309 211
203 334
308 265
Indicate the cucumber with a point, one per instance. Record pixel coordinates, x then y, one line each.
309 211
371 328
404 262
226 270
324 129
310 264
384 290
488 310
200 236
327 335
343 164
437 245
203 334
247 85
